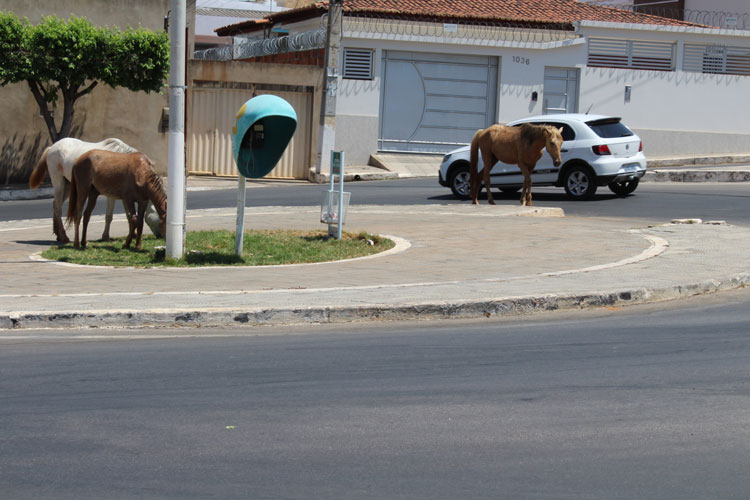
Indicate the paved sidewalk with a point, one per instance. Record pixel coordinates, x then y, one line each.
456 261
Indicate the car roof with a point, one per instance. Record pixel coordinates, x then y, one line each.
565 117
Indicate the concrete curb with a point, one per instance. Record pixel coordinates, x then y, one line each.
698 160
500 307
687 175
26 194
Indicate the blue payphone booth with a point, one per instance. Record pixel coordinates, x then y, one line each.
264 126
262 130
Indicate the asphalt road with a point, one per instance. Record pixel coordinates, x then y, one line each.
647 402
651 202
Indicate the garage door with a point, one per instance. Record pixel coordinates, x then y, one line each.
435 102
210 131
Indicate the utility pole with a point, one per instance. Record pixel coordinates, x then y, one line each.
176 148
327 133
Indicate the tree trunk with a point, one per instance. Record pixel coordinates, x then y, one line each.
70 96
36 91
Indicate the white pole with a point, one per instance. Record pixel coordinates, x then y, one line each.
176 148
341 196
239 233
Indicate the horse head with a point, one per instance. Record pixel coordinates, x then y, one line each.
553 144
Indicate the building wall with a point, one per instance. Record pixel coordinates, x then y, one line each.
677 112
734 6
133 117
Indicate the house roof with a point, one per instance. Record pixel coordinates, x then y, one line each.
526 13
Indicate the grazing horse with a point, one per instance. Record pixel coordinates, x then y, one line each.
58 159
129 177
520 146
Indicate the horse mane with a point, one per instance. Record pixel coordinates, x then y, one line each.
531 133
158 194
116 145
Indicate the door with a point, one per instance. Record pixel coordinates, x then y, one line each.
560 90
435 102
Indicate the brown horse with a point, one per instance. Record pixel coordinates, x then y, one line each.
129 177
520 146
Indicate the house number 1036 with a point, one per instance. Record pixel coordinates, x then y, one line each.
521 60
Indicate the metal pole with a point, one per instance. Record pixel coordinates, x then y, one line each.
341 197
176 148
331 187
239 233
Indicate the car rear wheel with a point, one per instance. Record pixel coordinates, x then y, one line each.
459 182
580 183
623 188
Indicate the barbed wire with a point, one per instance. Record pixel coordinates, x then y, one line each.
395 27
244 48
708 18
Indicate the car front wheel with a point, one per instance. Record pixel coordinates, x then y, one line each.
623 188
580 183
459 182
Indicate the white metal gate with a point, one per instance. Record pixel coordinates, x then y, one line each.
212 117
435 102
560 90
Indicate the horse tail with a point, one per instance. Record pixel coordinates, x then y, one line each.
73 201
473 163
39 172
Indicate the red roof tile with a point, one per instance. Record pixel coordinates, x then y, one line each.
524 12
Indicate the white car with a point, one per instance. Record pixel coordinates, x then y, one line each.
597 151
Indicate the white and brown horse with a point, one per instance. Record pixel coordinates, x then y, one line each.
520 146
129 177
58 160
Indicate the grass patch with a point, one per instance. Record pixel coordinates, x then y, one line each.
216 248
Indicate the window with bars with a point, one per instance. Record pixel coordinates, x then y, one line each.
358 64
631 54
720 59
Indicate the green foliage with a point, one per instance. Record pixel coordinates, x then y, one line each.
69 58
14 60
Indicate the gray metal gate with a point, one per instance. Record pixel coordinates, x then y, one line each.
435 102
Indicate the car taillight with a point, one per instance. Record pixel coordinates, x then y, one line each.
640 147
601 150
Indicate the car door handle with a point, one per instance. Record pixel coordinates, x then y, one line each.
563 150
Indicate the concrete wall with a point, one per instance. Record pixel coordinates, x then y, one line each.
131 116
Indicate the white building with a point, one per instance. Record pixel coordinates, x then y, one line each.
424 79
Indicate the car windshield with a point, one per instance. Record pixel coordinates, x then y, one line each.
609 128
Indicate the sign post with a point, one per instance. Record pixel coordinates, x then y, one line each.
239 234
334 204
262 130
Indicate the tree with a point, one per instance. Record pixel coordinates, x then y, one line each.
69 59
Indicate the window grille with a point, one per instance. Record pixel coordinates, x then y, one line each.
631 54
358 64
719 59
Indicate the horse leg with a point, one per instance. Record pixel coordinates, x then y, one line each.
60 194
489 161
526 190
93 194
139 223
108 218
131 214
